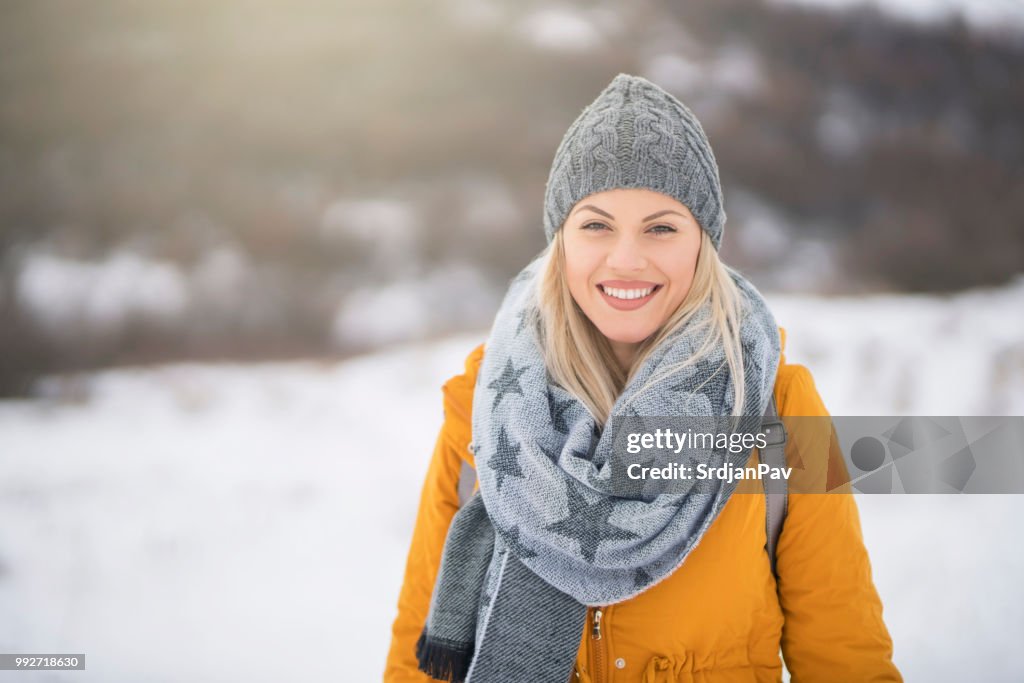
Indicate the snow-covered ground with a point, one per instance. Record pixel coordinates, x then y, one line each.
250 522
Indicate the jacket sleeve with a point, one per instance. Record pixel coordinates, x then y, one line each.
439 501
833 627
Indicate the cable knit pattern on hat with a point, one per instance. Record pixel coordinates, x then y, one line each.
635 135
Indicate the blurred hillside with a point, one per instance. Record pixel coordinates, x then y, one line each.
251 179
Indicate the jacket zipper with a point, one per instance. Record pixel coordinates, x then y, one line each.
598 644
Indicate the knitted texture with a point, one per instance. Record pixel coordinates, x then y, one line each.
635 135
546 535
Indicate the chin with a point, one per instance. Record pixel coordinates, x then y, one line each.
633 334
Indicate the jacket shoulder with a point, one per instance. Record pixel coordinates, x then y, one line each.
796 392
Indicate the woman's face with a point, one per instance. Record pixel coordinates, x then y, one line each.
630 256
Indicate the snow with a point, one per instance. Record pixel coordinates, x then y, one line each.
736 69
558 28
63 291
390 229
453 294
220 522
844 125
674 72
733 69
763 229
80 300
381 315
487 206
980 13
913 355
216 522
384 220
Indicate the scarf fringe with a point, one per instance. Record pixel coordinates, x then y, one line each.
443 660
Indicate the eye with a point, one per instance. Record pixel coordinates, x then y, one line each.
657 229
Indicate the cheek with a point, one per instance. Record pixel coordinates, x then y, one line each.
681 271
579 267
578 286
686 274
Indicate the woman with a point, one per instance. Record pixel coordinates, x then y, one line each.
548 573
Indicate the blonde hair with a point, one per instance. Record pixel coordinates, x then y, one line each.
580 359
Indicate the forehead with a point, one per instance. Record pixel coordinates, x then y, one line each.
630 202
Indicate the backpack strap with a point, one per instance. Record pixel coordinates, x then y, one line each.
775 490
467 480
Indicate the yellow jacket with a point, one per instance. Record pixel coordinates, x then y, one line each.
721 617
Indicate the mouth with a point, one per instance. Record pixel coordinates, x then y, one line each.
628 299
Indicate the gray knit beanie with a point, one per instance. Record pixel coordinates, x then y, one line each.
635 134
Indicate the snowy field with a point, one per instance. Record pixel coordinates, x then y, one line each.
250 522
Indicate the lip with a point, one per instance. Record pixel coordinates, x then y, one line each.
628 304
627 284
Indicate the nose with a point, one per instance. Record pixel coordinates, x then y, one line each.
625 255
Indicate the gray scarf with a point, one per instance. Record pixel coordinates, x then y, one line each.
545 536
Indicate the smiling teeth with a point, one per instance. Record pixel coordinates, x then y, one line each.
627 293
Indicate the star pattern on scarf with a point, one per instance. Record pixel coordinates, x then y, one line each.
558 409
554 453
551 453
641 578
635 488
697 487
515 544
680 387
524 318
632 418
588 523
686 383
505 461
507 382
633 414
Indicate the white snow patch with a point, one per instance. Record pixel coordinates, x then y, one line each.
762 230
452 296
911 355
218 522
845 124
66 292
386 220
736 69
560 28
733 70
487 204
980 13
390 228
381 315
675 72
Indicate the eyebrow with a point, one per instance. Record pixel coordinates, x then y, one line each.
608 215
